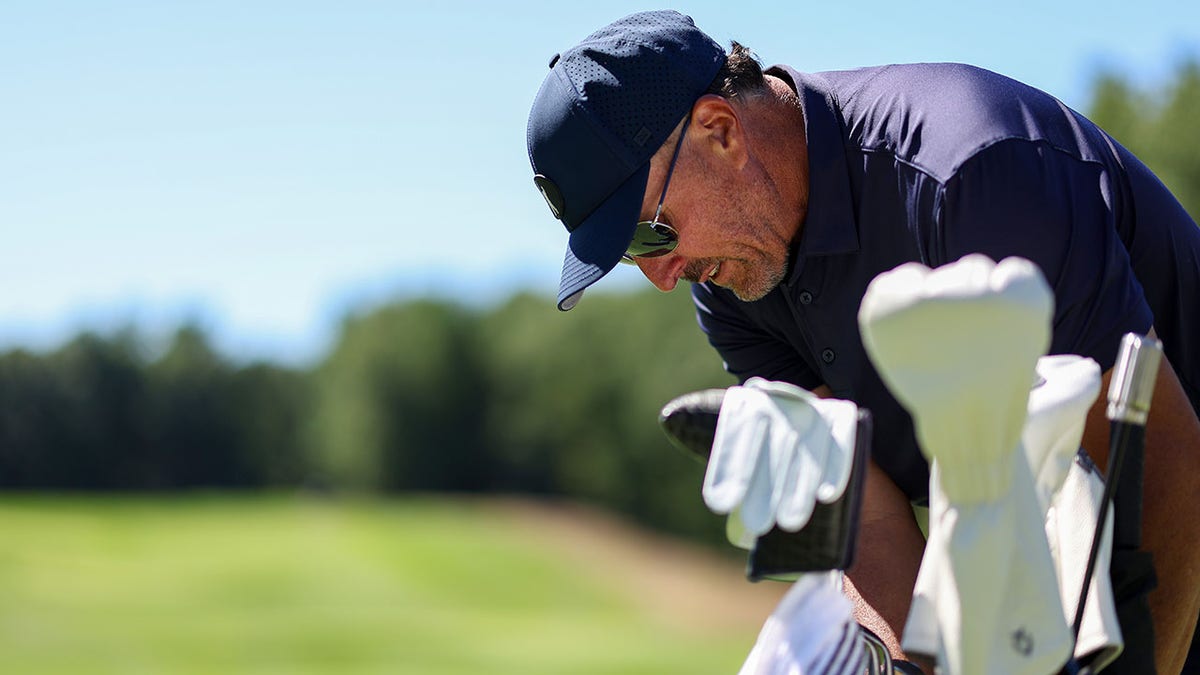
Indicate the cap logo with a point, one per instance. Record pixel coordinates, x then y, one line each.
552 194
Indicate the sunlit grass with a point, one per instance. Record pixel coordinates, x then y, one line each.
304 585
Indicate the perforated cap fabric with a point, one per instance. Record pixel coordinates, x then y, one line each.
602 112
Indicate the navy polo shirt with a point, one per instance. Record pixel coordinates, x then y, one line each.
931 162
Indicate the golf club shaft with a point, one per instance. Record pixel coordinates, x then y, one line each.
1129 394
1116 457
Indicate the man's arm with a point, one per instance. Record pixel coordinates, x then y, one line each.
1170 512
888 555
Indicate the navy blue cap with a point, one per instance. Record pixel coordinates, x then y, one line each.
606 107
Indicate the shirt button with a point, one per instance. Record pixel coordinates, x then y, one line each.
806 298
828 356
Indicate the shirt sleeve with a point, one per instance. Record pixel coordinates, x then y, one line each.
1028 199
747 348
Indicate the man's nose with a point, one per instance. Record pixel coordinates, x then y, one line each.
664 271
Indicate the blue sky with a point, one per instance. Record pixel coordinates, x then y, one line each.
263 168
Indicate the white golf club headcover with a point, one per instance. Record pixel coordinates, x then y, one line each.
776 452
958 347
1069 491
987 598
1069 527
1067 386
1068 495
927 331
811 631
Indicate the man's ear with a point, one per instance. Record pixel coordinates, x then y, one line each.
722 129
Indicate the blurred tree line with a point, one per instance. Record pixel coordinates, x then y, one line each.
423 395
1160 125
429 395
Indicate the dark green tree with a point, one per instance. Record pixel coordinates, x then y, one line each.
577 398
1158 125
192 437
100 435
399 402
30 410
270 407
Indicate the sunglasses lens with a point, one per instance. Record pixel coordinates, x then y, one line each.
650 240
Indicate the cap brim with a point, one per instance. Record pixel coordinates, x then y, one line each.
596 246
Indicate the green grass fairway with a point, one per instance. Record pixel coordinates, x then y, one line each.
287 585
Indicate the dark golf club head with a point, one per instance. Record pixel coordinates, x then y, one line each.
690 421
826 542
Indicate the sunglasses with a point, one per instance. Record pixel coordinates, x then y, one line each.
654 238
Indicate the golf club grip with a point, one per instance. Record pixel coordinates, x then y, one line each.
1128 492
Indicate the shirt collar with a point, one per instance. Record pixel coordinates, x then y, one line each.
829 227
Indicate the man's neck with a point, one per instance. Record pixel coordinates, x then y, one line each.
786 154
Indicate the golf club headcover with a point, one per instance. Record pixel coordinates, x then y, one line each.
1069 490
958 347
974 323
1066 387
812 630
987 598
778 451
1070 524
